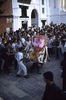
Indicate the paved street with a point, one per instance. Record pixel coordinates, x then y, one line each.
19 88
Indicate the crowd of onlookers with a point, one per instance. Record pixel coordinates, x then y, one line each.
22 40
15 47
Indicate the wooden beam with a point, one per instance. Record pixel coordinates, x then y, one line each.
24 1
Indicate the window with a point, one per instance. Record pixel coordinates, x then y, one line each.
54 3
42 2
42 10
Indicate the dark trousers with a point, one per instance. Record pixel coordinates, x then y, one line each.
64 84
0 64
50 52
57 52
15 63
8 63
35 67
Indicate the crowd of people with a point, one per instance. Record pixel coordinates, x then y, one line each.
15 46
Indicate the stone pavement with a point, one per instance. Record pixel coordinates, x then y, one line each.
19 88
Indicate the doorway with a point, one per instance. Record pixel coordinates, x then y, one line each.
24 25
34 18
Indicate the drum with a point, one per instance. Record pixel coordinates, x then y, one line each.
32 55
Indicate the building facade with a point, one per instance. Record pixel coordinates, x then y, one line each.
29 13
56 11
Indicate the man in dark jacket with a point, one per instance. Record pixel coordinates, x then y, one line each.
63 64
52 91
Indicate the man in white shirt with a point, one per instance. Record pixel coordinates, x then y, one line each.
28 44
21 66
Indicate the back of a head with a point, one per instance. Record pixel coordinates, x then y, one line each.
48 75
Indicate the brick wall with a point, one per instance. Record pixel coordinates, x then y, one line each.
4 23
5 20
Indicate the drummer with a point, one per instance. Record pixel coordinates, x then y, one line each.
40 53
